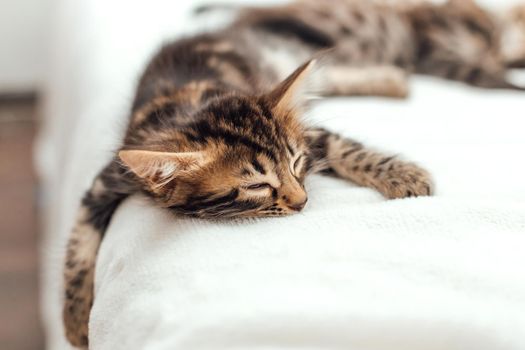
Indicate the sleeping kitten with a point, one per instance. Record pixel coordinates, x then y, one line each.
207 137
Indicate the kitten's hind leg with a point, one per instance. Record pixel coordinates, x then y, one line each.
394 178
382 80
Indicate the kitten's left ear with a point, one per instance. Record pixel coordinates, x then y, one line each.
292 92
159 168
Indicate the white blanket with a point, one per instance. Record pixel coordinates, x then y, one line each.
353 271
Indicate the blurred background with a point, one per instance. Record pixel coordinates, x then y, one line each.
24 38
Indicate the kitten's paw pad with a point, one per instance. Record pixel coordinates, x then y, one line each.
408 180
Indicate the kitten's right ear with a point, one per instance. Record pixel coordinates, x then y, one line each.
292 92
159 168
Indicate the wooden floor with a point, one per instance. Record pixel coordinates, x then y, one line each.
19 314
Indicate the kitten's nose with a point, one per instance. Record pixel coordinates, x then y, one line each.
298 206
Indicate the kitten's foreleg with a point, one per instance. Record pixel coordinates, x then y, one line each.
383 80
486 76
516 64
98 205
486 79
394 178
81 254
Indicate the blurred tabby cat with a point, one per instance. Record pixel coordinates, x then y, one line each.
216 129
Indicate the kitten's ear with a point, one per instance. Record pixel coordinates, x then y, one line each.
292 92
158 168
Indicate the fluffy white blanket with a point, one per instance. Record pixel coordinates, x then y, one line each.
353 271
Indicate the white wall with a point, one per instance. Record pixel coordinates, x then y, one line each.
23 44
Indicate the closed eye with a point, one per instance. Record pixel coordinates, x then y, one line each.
258 187
296 164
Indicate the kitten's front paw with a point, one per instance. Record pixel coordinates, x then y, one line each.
406 180
76 318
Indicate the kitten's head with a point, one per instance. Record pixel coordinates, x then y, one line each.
242 156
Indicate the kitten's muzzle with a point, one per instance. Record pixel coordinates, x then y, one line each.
298 206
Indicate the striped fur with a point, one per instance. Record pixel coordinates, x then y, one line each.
216 129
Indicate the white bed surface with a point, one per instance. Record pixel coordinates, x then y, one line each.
351 272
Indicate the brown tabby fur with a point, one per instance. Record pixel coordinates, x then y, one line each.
208 137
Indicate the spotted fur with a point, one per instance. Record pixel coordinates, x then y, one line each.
216 130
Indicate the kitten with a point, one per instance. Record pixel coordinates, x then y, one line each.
207 137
